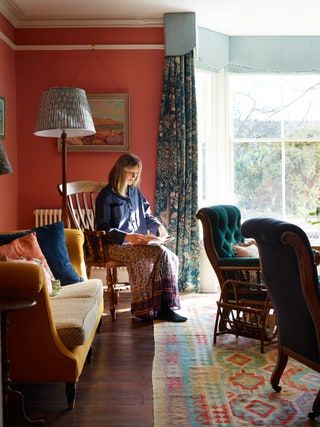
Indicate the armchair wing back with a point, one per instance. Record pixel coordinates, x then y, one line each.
291 278
223 223
221 229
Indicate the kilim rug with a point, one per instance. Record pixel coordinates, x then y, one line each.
198 384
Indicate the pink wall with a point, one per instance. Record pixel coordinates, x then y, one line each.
8 183
136 72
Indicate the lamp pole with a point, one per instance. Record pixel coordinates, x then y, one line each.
64 216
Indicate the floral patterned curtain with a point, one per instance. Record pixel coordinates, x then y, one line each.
177 168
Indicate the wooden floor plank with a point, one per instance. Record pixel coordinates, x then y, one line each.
114 390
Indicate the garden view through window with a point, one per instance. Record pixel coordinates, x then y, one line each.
273 131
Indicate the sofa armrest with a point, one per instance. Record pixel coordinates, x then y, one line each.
21 279
74 241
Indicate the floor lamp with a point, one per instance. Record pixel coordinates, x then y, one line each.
64 112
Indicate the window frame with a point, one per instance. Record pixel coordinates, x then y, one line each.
219 161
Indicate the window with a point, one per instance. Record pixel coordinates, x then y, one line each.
269 136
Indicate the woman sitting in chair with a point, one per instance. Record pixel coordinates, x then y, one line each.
124 214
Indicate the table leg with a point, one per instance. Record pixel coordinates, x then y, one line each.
13 404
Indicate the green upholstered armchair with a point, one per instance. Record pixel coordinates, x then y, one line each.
244 307
221 230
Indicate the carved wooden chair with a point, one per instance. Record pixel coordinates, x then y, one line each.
244 307
81 196
290 272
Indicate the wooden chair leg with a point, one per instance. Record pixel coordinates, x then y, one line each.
71 394
111 294
88 270
315 408
216 326
278 370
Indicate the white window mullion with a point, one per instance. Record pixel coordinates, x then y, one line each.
222 148
283 178
283 158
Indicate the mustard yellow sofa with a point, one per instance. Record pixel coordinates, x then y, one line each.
51 341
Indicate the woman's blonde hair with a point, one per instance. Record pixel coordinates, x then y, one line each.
117 173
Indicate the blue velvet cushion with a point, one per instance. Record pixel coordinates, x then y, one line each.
52 243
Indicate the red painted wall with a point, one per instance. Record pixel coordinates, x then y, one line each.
9 183
136 72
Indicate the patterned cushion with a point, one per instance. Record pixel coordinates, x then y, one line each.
27 249
246 250
52 243
75 310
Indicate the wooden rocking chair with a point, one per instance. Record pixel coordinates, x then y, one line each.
244 307
81 196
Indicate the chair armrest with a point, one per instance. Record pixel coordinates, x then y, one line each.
237 263
94 247
21 279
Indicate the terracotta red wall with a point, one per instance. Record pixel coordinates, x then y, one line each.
136 72
9 183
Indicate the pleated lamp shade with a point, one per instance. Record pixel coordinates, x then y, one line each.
64 109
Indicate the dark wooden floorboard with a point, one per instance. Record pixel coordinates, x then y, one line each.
114 390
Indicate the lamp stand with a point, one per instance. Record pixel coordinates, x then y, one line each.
64 215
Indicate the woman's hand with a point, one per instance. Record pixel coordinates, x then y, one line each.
136 239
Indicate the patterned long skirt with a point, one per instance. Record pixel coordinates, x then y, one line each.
153 276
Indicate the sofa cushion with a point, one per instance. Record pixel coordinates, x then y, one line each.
76 310
27 248
52 243
85 289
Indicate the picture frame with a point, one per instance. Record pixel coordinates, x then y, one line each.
110 113
2 118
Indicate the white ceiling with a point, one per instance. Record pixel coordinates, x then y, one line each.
232 17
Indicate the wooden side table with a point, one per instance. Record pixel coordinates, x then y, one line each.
12 399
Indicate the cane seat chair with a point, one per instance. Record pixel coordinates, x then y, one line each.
244 306
81 196
290 273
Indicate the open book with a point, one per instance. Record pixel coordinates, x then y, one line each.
159 240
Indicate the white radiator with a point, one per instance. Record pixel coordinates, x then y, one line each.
46 216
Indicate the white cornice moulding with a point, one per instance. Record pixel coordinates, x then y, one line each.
89 23
4 38
7 13
76 23
13 46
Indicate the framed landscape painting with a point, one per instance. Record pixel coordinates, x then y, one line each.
110 113
2 121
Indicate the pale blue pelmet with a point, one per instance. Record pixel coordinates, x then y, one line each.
254 54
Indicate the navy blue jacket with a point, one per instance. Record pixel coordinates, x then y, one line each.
119 215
